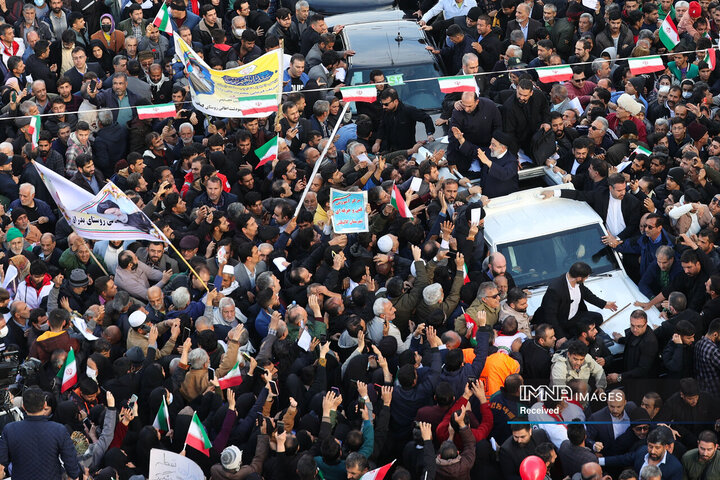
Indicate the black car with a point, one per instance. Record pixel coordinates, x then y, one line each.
332 7
386 41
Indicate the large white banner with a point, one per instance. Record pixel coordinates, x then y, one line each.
109 215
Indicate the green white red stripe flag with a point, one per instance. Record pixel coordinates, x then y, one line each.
35 125
559 73
258 104
197 437
162 418
268 152
397 201
232 379
164 110
466 278
669 33
640 150
359 93
640 65
68 373
710 58
461 83
378 473
162 20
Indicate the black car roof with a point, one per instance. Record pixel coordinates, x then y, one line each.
375 37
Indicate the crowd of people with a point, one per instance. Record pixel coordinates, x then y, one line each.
410 342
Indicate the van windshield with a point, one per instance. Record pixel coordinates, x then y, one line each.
537 261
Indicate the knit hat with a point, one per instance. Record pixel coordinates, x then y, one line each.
638 84
231 458
78 278
696 131
16 213
189 242
628 103
228 270
385 243
639 416
135 355
677 174
12 234
694 10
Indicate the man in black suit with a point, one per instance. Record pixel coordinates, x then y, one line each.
563 304
608 423
621 212
81 67
524 23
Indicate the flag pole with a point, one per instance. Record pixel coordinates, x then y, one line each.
281 76
316 167
167 240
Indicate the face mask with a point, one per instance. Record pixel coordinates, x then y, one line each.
105 28
686 94
238 32
39 3
4 331
170 400
45 327
91 373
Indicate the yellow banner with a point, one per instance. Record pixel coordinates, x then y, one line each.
217 92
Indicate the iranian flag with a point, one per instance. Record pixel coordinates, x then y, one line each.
162 419
359 93
268 152
378 473
196 436
34 130
232 379
68 373
462 83
471 327
558 73
165 110
397 201
466 278
258 104
710 58
640 150
162 20
669 33
649 64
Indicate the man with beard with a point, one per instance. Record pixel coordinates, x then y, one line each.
563 304
703 461
537 356
397 125
689 411
587 334
497 265
134 277
160 86
525 113
656 453
472 127
515 305
117 96
564 138
154 257
520 445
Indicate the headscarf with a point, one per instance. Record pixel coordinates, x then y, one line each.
147 440
105 61
68 414
117 459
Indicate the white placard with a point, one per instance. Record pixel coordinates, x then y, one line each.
363 158
340 74
166 465
475 215
83 328
416 184
305 340
280 263
591 4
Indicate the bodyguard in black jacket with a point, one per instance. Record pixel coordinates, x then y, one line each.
397 126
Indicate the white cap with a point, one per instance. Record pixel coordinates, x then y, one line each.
385 243
229 270
137 318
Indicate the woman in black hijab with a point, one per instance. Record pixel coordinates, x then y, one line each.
99 53
117 459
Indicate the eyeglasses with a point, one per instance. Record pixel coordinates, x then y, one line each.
578 80
593 127
497 295
715 200
384 104
642 428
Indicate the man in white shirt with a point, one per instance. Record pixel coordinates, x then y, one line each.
449 8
